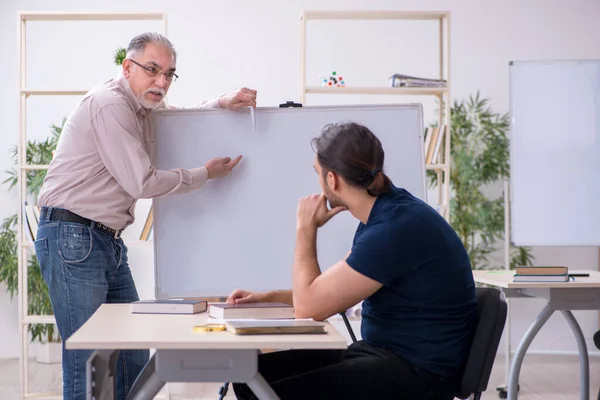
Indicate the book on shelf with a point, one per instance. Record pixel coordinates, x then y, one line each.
427 144
147 229
169 306
435 158
250 310
269 327
433 143
30 220
400 80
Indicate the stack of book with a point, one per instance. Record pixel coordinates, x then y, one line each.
433 144
400 80
169 306
250 310
541 274
270 327
262 318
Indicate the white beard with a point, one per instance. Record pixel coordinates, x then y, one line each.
148 104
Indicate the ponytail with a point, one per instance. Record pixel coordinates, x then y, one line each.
380 184
355 153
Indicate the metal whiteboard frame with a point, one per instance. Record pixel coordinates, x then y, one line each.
159 294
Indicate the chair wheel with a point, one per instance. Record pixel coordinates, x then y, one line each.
503 391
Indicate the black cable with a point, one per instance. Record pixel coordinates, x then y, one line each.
350 331
223 390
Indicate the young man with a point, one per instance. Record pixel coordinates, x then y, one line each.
406 263
102 166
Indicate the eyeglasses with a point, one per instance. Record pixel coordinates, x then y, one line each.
153 71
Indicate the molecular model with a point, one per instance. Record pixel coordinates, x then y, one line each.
333 80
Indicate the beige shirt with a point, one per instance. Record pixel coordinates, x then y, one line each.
104 159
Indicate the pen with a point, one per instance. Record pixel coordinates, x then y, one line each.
578 275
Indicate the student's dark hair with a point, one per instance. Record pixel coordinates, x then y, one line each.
355 153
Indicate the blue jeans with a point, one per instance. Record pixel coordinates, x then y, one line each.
84 268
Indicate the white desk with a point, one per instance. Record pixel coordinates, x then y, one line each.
581 294
181 354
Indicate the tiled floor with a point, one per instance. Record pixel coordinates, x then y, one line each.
542 377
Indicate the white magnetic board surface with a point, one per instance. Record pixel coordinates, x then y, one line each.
555 153
239 231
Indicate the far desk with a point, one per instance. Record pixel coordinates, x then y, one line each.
581 294
181 354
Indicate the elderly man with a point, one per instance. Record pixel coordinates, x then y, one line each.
102 166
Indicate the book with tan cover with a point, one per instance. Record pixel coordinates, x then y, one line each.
542 270
431 147
147 226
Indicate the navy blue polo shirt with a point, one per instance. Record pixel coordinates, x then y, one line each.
426 310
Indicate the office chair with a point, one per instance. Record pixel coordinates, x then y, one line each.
491 317
597 344
491 313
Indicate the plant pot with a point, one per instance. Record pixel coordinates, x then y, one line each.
49 353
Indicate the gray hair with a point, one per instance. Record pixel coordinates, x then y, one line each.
138 43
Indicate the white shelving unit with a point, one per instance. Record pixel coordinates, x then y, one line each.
24 93
443 94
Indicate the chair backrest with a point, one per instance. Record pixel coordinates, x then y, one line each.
491 312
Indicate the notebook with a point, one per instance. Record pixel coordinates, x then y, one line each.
541 278
266 327
169 306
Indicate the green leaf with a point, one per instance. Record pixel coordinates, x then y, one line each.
479 156
120 55
36 152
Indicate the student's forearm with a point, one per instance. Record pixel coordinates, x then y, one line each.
306 268
281 296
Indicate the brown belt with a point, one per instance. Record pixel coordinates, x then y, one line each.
68 216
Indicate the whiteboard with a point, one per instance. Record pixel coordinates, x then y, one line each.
239 231
555 152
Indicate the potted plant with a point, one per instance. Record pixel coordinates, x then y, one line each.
479 155
118 57
47 335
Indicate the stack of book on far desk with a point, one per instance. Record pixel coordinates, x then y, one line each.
542 274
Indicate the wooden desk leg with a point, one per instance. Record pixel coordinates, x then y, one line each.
147 385
101 369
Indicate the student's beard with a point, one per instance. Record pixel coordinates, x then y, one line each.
334 201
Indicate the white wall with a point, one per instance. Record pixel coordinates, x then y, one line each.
224 45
